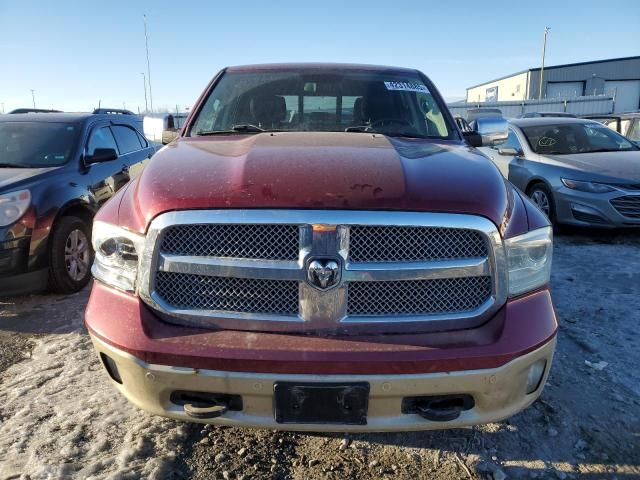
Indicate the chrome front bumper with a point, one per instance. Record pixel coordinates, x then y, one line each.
498 392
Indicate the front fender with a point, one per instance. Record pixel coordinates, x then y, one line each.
49 203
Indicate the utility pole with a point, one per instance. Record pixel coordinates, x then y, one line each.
33 97
144 82
544 51
146 42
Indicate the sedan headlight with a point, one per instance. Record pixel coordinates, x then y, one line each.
590 187
13 205
529 260
117 254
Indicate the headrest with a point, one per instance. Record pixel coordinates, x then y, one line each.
268 110
379 106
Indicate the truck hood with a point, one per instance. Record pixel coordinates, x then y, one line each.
303 170
620 165
16 177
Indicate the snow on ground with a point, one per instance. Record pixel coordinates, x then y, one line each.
63 419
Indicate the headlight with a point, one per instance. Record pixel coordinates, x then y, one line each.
13 205
117 253
590 187
529 260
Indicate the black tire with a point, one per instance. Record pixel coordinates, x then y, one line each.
537 192
62 277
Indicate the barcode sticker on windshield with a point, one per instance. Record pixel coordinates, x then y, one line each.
406 86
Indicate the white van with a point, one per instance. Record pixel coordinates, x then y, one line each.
155 124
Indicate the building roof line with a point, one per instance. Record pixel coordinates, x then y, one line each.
499 78
537 69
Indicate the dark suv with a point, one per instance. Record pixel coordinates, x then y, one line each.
56 169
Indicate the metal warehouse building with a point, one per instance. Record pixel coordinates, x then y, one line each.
616 77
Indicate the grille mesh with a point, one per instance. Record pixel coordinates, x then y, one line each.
628 206
187 291
396 244
265 242
418 297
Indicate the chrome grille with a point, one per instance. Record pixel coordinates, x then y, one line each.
197 292
400 271
264 242
628 206
402 244
418 297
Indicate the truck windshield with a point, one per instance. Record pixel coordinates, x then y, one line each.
568 138
392 104
36 144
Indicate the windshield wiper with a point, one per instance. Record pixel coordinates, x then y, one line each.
408 135
360 129
13 165
242 128
367 129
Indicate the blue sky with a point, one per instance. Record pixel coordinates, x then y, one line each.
75 53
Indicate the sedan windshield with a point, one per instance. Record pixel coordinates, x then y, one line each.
36 144
568 138
314 101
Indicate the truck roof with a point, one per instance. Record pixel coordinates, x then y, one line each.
319 67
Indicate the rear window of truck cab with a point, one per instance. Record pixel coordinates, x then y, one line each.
353 101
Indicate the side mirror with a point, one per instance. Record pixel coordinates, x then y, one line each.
493 130
170 135
510 152
102 155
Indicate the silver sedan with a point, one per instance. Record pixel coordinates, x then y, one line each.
577 171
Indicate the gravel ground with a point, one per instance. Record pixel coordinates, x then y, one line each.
60 417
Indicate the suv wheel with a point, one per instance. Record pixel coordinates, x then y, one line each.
543 198
70 256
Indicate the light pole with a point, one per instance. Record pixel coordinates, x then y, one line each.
144 83
33 97
544 51
146 43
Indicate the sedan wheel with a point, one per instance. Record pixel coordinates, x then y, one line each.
541 200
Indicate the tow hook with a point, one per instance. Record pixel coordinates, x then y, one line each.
440 414
203 411
442 408
206 405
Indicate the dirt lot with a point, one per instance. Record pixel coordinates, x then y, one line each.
60 417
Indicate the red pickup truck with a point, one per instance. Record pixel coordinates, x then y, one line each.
323 249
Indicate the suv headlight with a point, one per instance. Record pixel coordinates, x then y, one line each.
529 260
590 187
13 205
117 252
